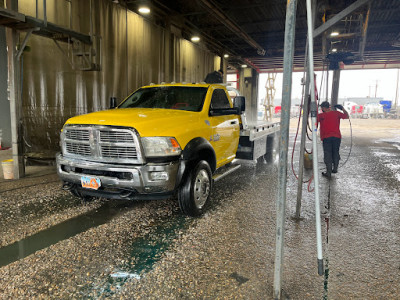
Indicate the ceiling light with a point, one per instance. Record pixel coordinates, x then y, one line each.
144 10
244 66
226 55
195 39
334 33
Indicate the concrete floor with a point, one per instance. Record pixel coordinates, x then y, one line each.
229 252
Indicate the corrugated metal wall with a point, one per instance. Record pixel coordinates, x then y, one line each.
134 52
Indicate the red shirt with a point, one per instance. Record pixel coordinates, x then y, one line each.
329 123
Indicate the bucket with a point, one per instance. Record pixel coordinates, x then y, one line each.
8 168
308 163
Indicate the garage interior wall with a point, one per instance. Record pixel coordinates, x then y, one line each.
134 52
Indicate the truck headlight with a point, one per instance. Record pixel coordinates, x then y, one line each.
160 146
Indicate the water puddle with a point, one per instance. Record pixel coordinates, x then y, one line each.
145 252
59 232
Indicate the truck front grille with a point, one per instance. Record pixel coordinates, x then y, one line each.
101 143
115 137
119 152
78 135
80 149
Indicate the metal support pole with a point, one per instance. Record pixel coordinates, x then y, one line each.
284 138
327 83
44 13
14 97
335 87
314 134
304 126
316 189
396 98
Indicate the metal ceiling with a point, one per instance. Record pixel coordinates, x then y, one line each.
252 31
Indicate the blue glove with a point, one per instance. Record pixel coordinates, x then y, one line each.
338 106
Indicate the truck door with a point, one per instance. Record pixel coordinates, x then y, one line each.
225 129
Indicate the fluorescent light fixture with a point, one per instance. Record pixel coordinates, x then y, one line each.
334 33
195 39
226 55
144 10
244 66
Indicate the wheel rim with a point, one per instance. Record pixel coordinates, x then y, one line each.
201 188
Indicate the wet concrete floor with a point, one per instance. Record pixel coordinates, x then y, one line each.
53 247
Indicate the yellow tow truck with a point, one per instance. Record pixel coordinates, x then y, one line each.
161 140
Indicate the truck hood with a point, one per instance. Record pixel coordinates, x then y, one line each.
147 121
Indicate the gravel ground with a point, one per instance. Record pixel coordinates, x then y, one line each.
148 250
36 205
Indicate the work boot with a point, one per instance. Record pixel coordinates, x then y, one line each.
327 175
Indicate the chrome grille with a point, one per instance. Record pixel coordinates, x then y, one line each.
79 135
119 152
79 149
115 137
101 143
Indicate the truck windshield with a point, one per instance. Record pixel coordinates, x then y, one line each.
168 97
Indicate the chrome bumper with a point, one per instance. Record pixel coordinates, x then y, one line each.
139 177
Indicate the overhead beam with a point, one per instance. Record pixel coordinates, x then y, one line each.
232 26
337 18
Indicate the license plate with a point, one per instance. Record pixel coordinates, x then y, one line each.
90 182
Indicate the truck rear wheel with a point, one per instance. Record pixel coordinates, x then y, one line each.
195 191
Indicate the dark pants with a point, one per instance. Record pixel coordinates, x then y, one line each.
331 147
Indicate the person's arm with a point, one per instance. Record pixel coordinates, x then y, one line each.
346 114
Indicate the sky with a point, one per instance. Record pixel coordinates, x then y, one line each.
353 84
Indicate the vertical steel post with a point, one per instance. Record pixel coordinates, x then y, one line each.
314 135
290 26
44 13
335 87
396 98
304 125
327 83
14 96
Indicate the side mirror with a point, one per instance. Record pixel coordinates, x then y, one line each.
240 103
113 102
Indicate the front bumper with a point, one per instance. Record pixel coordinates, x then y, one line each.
137 179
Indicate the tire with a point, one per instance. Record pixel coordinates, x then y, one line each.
194 193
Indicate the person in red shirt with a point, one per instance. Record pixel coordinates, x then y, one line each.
329 127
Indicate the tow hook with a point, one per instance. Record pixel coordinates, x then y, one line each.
67 186
126 194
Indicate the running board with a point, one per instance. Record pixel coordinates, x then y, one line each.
226 171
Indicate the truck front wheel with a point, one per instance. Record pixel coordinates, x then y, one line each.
195 191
